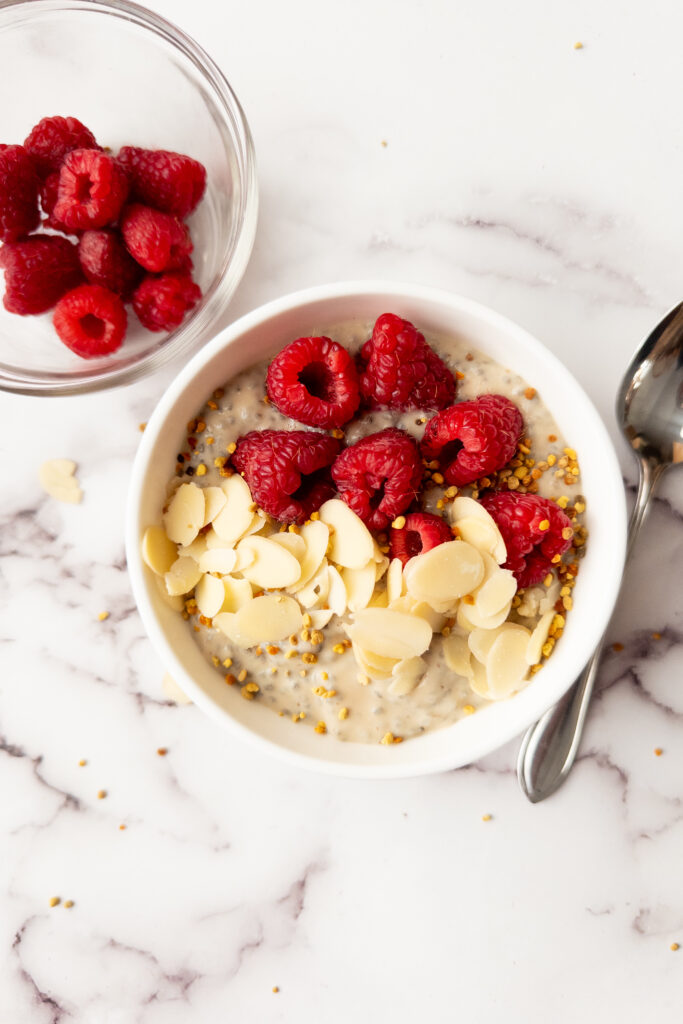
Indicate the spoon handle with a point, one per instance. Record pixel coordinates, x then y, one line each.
549 747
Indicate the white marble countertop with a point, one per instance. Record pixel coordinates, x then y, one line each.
542 180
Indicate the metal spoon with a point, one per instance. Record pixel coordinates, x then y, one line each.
650 411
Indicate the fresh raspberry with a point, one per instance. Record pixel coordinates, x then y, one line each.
52 138
168 181
106 261
19 184
90 320
473 438
379 476
532 529
422 532
400 371
162 302
287 470
38 271
315 381
92 189
158 241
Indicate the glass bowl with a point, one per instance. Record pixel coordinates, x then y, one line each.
133 79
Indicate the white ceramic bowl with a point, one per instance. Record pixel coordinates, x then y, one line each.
261 334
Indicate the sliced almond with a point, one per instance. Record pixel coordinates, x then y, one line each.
539 637
483 536
479 680
395 582
444 573
380 568
175 602
270 617
463 511
158 551
481 641
314 594
245 556
237 514
389 633
210 595
293 542
495 593
273 566
222 560
172 691
258 523
506 665
316 537
373 665
379 599
550 596
320 617
57 479
227 623
359 584
214 541
435 619
196 549
183 575
185 514
406 674
214 499
457 654
336 597
237 593
351 543
469 618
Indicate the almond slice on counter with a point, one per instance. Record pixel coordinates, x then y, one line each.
237 514
272 566
447 572
183 575
158 551
481 641
389 633
214 499
222 560
175 602
395 581
406 674
457 654
196 549
210 595
359 584
227 623
270 617
539 637
293 542
314 594
506 665
351 543
185 514
320 617
495 593
57 479
172 691
336 597
237 593
315 536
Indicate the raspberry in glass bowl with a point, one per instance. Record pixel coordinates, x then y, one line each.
104 158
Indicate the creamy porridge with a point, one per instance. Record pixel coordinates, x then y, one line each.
320 676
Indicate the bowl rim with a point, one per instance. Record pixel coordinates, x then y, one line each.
216 299
526 706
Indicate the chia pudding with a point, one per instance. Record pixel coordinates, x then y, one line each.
313 676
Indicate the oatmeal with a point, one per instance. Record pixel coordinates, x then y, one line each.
351 630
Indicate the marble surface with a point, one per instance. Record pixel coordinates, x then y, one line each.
542 180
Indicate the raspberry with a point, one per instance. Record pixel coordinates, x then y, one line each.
106 261
169 181
52 138
473 438
379 476
158 241
38 272
90 320
162 302
314 380
400 371
422 532
530 549
287 470
92 189
19 186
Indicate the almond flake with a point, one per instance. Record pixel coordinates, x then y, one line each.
293 542
539 637
495 593
57 479
214 498
270 617
481 641
272 566
359 584
351 543
320 617
469 618
406 674
183 575
464 510
175 602
237 593
373 665
210 595
314 594
237 514
221 560
395 581
506 665
389 633
196 549
227 623
336 597
158 552
315 536
445 573
457 654
185 515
